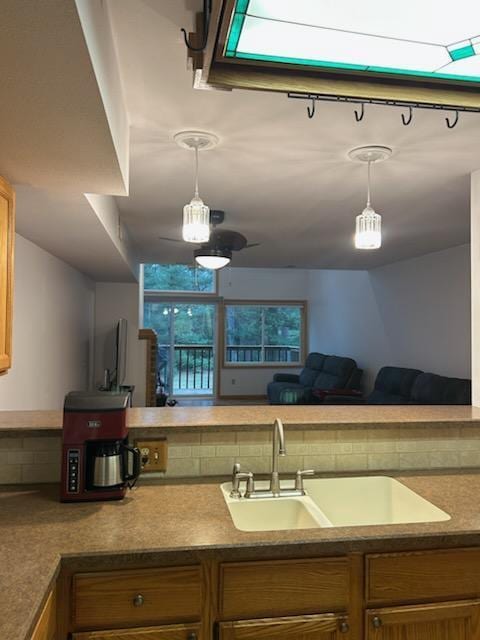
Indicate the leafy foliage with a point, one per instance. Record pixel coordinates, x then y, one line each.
178 277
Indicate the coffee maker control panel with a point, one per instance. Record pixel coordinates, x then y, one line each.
73 470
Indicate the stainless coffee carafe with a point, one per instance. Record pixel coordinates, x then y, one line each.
111 462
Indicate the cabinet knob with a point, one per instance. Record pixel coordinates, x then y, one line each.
192 636
344 627
377 622
138 600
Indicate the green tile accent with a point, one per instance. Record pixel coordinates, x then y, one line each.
236 27
464 52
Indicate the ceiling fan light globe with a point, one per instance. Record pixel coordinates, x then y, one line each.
196 221
212 262
211 258
368 229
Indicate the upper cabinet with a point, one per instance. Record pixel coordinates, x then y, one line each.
7 230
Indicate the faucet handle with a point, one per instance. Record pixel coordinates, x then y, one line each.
237 477
300 475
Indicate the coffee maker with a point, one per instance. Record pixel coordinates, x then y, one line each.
97 461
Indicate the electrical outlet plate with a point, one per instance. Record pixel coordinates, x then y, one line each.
154 455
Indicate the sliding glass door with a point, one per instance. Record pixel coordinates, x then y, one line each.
186 332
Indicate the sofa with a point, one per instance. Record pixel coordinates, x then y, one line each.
321 373
398 386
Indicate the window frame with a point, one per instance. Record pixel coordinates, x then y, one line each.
302 304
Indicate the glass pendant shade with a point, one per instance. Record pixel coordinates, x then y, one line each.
368 231
196 221
196 215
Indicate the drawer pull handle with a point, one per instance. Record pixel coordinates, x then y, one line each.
192 636
377 622
344 627
138 600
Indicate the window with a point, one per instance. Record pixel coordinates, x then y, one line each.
178 278
262 334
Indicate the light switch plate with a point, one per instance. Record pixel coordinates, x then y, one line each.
154 455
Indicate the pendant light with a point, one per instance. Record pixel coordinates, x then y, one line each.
196 214
368 226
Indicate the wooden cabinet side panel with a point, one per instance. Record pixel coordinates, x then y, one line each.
320 627
423 575
46 626
7 238
452 621
106 600
283 587
170 632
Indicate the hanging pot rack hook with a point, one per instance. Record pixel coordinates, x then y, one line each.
452 125
207 9
311 110
407 121
359 116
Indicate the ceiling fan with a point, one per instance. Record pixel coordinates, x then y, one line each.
217 252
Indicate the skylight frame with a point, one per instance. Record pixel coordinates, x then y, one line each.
229 53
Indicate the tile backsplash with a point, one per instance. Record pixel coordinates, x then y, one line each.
37 459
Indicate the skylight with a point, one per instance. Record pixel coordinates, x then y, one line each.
423 38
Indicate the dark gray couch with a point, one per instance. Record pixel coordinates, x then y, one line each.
321 372
398 385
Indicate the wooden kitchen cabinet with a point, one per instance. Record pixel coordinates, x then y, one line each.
168 632
314 627
7 234
442 621
46 627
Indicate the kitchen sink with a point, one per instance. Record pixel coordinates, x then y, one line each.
273 514
370 500
333 502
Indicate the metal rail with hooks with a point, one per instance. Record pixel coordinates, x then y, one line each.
403 104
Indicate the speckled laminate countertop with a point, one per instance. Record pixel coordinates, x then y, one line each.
253 417
185 523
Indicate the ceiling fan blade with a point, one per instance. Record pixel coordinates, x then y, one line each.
169 239
252 244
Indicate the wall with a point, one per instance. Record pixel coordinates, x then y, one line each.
363 448
257 284
52 327
113 301
475 266
414 313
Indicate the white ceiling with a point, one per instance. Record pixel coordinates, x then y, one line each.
284 180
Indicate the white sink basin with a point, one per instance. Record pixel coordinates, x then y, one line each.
370 500
334 502
273 514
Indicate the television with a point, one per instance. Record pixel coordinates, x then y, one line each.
115 359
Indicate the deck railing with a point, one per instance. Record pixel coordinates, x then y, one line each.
193 366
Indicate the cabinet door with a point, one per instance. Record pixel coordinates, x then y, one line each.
447 621
6 273
318 627
167 632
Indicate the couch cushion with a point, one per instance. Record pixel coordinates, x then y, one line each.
313 365
275 391
430 388
335 374
396 382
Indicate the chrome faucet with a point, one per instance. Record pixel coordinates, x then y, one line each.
278 449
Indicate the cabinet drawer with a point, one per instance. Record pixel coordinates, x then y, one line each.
320 627
137 597
423 575
45 628
285 587
170 632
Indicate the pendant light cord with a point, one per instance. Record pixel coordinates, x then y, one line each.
196 172
368 189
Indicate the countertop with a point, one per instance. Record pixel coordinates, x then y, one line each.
253 417
186 522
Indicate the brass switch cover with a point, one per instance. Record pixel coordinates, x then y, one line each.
154 455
